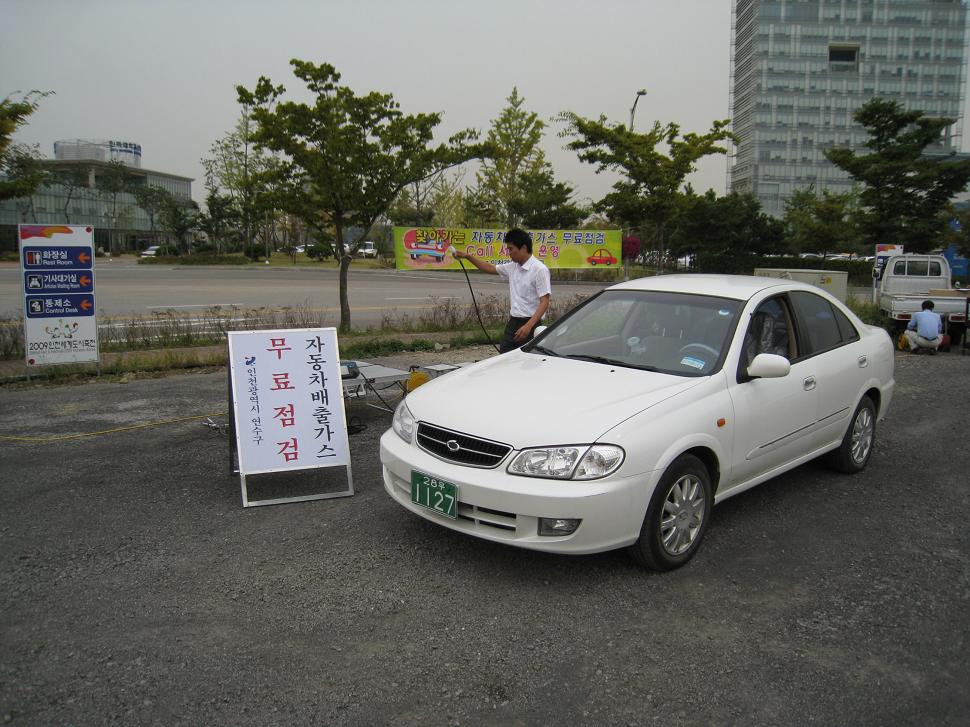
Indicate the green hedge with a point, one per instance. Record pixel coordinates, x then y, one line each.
204 258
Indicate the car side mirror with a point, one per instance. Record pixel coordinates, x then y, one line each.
538 330
769 366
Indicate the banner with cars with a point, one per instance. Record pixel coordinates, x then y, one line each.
430 248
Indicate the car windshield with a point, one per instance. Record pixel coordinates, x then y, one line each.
676 333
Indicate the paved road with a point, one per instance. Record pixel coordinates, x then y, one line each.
126 288
135 590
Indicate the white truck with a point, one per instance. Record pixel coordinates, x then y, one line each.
902 284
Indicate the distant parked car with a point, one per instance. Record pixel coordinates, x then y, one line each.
367 249
151 251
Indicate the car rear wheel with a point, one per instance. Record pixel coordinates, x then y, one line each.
677 516
853 454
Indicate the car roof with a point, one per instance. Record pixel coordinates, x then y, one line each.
738 287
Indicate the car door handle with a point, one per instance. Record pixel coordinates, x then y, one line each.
863 361
809 383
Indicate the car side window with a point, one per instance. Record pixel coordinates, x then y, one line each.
818 321
848 331
769 331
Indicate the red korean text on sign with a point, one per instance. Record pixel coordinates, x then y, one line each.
277 346
289 449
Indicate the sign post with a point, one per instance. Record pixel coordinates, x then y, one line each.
57 271
288 406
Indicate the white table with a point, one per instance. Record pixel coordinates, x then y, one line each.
375 379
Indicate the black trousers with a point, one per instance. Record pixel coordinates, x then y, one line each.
508 342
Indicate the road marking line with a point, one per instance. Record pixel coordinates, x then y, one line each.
429 297
189 305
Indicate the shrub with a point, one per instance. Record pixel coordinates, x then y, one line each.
319 251
869 312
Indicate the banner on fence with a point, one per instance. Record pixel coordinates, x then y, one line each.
429 248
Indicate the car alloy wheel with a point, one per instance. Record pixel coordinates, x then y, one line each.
683 514
863 431
853 454
677 516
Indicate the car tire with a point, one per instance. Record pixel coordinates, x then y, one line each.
853 454
677 516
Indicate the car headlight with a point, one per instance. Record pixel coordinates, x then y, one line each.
403 423
577 462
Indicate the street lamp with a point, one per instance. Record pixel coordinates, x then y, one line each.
641 92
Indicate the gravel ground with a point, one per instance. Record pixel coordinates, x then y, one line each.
135 590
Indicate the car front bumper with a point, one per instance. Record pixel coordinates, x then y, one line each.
504 508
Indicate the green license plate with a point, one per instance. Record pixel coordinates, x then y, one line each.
434 494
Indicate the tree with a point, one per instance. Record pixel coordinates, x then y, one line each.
479 208
217 219
905 190
436 201
74 180
542 203
179 216
112 181
956 221
26 175
13 115
711 227
239 169
346 157
152 199
514 141
821 224
648 195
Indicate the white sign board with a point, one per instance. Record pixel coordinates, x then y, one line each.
288 401
57 273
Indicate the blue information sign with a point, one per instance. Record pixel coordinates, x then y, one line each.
54 306
57 270
68 281
58 257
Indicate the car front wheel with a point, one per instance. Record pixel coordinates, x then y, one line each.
853 454
677 516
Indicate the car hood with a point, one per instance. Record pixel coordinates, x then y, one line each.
530 400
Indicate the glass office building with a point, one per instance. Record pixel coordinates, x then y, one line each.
801 68
74 194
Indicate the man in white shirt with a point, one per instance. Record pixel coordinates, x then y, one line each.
925 330
530 287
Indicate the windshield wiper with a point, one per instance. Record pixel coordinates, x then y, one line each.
543 350
611 361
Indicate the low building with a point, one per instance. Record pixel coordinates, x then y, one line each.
81 191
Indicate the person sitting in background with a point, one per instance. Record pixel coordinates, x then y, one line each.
925 330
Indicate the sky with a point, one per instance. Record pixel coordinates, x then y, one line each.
163 73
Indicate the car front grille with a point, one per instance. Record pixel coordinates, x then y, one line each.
460 448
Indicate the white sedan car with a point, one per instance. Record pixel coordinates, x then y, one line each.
625 421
